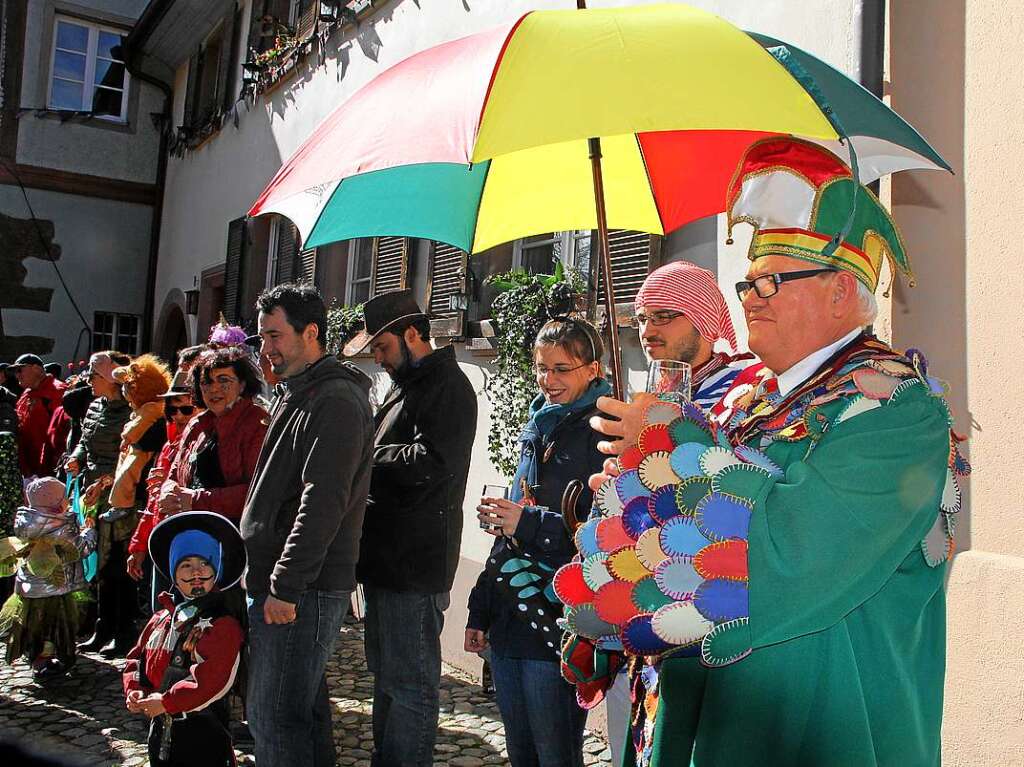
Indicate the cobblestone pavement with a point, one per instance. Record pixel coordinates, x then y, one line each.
83 715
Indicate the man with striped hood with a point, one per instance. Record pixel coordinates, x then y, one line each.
681 315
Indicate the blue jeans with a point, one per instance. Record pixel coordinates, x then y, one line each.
543 722
289 711
403 651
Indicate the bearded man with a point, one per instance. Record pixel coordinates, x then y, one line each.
413 526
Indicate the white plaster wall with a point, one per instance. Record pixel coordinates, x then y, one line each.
104 250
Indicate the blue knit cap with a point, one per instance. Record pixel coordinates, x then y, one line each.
194 543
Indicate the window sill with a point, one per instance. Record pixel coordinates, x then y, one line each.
87 119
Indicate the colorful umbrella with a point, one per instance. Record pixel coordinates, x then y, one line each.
492 137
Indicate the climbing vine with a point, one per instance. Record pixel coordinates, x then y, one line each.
343 322
525 303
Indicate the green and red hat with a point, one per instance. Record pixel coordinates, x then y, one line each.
799 196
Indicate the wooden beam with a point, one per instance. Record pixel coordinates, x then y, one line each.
82 184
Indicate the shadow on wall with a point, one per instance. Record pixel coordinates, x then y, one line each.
22 238
927 87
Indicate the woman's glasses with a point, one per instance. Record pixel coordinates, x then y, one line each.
170 410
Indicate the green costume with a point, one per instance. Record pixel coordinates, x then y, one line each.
846 603
775 568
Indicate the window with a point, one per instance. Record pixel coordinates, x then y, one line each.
87 70
209 92
539 253
360 272
119 332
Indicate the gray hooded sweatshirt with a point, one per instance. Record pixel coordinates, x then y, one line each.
304 511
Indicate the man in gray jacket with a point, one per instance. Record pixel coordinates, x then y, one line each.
301 525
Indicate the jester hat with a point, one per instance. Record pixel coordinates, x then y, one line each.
799 197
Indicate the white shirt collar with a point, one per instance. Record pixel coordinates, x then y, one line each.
803 370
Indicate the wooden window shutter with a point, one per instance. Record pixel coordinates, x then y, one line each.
228 65
390 264
235 269
287 249
192 89
633 256
309 14
447 278
305 270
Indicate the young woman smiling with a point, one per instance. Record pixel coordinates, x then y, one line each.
543 723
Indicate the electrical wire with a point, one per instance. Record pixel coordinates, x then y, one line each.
46 250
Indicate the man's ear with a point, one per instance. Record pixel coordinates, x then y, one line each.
844 294
311 332
411 335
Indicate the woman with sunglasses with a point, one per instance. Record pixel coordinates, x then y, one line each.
219 448
178 411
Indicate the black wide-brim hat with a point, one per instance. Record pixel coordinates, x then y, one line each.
381 313
221 529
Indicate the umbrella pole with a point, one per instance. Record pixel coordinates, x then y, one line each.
606 267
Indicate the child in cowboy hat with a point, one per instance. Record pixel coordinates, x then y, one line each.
185 662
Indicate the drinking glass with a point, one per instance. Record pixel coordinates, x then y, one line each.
492 491
671 377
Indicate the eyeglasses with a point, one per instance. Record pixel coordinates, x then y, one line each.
767 285
658 318
170 410
222 381
558 370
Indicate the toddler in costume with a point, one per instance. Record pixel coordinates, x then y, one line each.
40 619
185 662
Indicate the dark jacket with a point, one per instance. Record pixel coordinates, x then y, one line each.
99 447
425 430
305 505
571 449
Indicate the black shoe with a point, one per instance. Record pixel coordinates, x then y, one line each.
52 669
117 648
93 643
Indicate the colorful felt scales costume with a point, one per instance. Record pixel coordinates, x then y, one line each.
776 570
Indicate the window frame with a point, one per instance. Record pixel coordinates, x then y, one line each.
272 251
91 56
116 318
357 248
567 240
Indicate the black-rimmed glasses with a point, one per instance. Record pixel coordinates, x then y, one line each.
656 318
767 285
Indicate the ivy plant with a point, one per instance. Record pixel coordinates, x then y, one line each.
343 322
525 302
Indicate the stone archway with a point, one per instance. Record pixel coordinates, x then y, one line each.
172 328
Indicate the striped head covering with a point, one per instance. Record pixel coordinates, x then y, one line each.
684 287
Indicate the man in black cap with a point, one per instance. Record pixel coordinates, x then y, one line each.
41 395
413 525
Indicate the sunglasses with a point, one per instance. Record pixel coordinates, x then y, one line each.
170 410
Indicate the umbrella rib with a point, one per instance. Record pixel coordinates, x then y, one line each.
494 72
479 202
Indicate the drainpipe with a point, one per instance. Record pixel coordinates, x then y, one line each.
872 45
132 64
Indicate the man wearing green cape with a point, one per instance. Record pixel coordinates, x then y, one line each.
790 608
